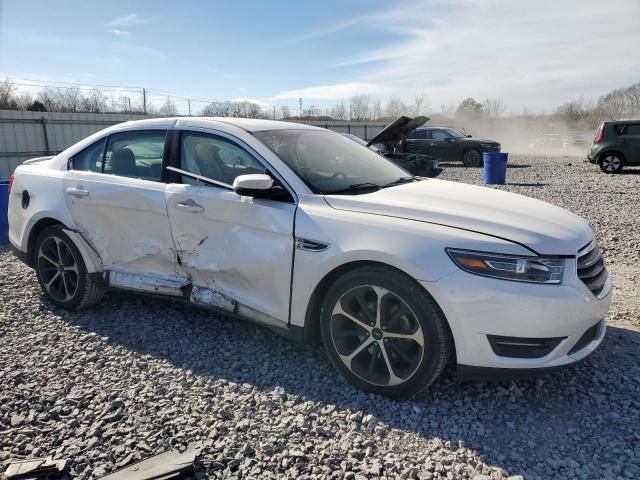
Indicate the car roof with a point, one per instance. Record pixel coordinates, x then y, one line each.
248 124
620 122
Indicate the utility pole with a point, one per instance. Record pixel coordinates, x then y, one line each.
189 103
274 112
144 101
300 102
129 101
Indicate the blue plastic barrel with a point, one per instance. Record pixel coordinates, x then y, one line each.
495 167
4 205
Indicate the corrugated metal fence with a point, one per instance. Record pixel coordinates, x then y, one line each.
25 135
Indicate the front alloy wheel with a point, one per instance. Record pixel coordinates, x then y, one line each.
377 335
384 332
611 163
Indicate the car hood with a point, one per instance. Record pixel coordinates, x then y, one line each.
540 226
397 129
476 140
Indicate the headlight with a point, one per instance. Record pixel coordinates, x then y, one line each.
488 145
509 267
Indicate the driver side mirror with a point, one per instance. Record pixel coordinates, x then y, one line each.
468 136
253 185
449 140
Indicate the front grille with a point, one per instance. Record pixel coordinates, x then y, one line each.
591 269
588 337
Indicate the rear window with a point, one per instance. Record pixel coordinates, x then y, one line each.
418 135
633 129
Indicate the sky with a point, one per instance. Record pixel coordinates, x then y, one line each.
529 53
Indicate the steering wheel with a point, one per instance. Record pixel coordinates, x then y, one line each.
339 175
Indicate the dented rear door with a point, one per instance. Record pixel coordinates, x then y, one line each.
119 204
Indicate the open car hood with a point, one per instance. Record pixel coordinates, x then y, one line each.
398 128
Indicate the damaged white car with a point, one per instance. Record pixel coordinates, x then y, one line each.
306 231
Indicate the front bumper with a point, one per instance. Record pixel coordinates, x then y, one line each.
478 307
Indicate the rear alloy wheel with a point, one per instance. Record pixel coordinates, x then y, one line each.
61 271
471 158
384 332
611 163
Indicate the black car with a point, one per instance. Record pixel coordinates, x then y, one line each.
390 143
448 144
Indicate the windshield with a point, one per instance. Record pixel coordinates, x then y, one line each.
329 162
454 133
361 142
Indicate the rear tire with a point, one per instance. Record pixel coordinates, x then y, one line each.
472 158
62 273
611 163
384 332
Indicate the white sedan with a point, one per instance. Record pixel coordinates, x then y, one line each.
305 231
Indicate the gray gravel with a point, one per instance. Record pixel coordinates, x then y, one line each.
136 376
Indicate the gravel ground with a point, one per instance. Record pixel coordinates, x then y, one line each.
136 376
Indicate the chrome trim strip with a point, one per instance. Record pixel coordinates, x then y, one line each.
199 177
310 245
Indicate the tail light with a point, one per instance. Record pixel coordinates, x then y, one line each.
10 184
599 135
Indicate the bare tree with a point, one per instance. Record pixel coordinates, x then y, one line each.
494 108
217 109
360 108
7 92
420 105
339 112
251 110
168 107
376 110
395 108
23 100
70 99
49 98
285 112
311 112
94 102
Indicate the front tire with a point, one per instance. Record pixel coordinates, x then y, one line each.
611 163
472 158
62 273
384 332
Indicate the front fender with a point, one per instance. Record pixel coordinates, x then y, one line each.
413 247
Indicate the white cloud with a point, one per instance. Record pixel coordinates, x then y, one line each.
120 33
331 92
537 53
251 100
130 20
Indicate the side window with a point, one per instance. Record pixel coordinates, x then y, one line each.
633 129
215 158
439 135
417 135
89 159
136 154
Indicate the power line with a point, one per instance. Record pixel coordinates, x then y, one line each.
48 82
145 94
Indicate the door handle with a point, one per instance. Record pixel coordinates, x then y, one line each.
189 206
77 192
